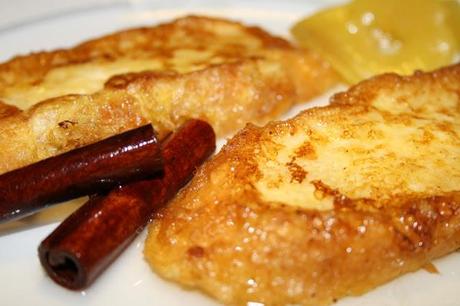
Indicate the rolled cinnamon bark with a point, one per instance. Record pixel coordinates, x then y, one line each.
92 237
98 167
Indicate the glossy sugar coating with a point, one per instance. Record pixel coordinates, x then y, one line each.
331 203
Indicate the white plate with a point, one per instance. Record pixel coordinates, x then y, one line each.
36 25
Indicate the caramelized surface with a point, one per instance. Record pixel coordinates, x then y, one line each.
194 67
7 110
363 153
331 203
185 45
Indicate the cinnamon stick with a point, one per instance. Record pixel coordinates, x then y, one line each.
92 237
98 167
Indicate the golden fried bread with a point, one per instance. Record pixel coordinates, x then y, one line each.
213 69
330 203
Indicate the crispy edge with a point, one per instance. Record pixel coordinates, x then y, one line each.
366 91
8 110
33 67
226 95
217 235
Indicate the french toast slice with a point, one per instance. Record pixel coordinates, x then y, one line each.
214 69
330 203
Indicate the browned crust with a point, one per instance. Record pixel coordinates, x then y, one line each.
219 236
8 110
254 81
366 91
154 41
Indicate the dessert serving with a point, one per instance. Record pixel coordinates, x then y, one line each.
194 67
330 203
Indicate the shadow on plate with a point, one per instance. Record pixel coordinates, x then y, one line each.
49 215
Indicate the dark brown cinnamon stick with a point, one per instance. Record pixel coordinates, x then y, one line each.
99 167
92 237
